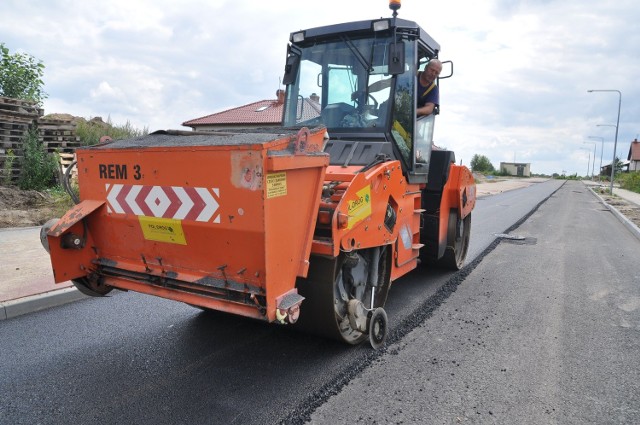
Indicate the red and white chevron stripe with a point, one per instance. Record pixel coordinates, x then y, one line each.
182 203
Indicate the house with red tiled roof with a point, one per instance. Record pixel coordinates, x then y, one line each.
264 113
634 156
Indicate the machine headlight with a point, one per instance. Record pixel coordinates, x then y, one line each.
381 25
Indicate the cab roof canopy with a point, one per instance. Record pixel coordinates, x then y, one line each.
404 27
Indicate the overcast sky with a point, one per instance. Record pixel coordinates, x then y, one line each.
519 91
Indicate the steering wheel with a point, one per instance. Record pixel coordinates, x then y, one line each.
375 101
357 97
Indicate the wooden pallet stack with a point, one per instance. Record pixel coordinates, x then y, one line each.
16 117
58 135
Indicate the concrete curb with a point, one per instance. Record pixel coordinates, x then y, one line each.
627 223
33 303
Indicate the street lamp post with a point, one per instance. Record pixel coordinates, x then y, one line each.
589 160
601 149
614 151
594 158
615 142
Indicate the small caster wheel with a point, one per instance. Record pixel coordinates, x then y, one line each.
377 328
93 287
43 233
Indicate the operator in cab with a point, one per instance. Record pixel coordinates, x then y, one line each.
428 93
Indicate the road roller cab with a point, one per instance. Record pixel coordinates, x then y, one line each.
305 224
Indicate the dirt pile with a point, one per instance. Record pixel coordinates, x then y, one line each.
25 208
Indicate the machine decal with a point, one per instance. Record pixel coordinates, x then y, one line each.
276 184
112 171
359 208
162 230
118 171
405 236
175 202
246 170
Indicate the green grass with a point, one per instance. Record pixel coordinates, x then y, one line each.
91 131
60 200
629 181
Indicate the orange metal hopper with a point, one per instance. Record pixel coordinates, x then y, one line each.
221 221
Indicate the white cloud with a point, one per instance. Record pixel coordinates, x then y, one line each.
104 91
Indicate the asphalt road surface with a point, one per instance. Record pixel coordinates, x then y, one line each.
137 359
545 330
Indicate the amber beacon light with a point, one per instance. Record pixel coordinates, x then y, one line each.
394 5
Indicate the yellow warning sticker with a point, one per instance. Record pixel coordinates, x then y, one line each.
276 184
162 230
359 208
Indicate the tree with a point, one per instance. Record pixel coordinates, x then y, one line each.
21 76
481 164
619 165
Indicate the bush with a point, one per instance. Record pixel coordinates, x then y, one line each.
502 173
565 177
38 168
61 200
629 181
8 168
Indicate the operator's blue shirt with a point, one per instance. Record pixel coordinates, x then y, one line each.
428 94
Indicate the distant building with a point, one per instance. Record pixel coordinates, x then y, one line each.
516 169
634 156
264 113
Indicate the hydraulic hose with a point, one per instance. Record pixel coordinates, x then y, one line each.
66 183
